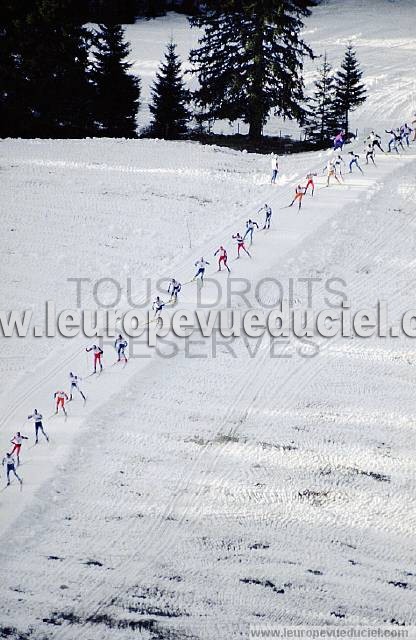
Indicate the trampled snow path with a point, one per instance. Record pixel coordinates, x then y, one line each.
264 453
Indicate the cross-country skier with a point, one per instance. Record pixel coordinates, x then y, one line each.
240 245
299 193
8 462
60 397
268 211
354 161
339 140
395 140
275 168
250 224
338 162
98 352
405 132
17 445
174 289
120 346
222 258
201 265
74 386
37 418
157 306
331 172
310 182
375 139
369 153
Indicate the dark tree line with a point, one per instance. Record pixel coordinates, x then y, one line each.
336 95
117 91
60 79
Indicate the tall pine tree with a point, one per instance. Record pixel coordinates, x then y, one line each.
350 92
170 97
250 60
320 120
117 91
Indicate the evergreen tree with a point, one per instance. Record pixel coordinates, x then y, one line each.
320 120
51 81
350 92
59 89
170 97
117 91
250 60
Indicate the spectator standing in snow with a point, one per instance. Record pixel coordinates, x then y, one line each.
275 168
339 140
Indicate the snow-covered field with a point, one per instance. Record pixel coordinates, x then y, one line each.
199 494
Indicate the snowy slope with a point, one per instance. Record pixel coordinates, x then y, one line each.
193 496
287 471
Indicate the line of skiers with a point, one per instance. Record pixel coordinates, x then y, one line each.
240 240
398 136
335 165
333 169
11 459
